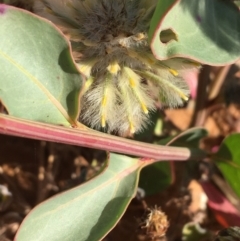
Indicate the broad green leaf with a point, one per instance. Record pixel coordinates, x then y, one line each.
38 78
158 176
87 212
207 31
228 161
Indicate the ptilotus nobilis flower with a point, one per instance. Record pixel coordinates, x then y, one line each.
110 46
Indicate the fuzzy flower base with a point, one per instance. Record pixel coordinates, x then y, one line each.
110 45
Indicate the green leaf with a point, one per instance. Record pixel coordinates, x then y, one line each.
38 78
228 161
158 176
237 2
87 212
207 31
189 138
193 231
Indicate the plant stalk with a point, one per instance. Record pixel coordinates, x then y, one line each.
93 139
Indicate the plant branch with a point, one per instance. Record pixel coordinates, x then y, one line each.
199 114
93 139
218 82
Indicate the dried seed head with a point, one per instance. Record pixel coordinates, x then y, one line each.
156 223
110 45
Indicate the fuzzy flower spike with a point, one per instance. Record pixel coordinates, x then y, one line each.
110 45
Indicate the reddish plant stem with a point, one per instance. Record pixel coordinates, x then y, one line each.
93 139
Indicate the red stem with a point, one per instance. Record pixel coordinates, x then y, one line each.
93 139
